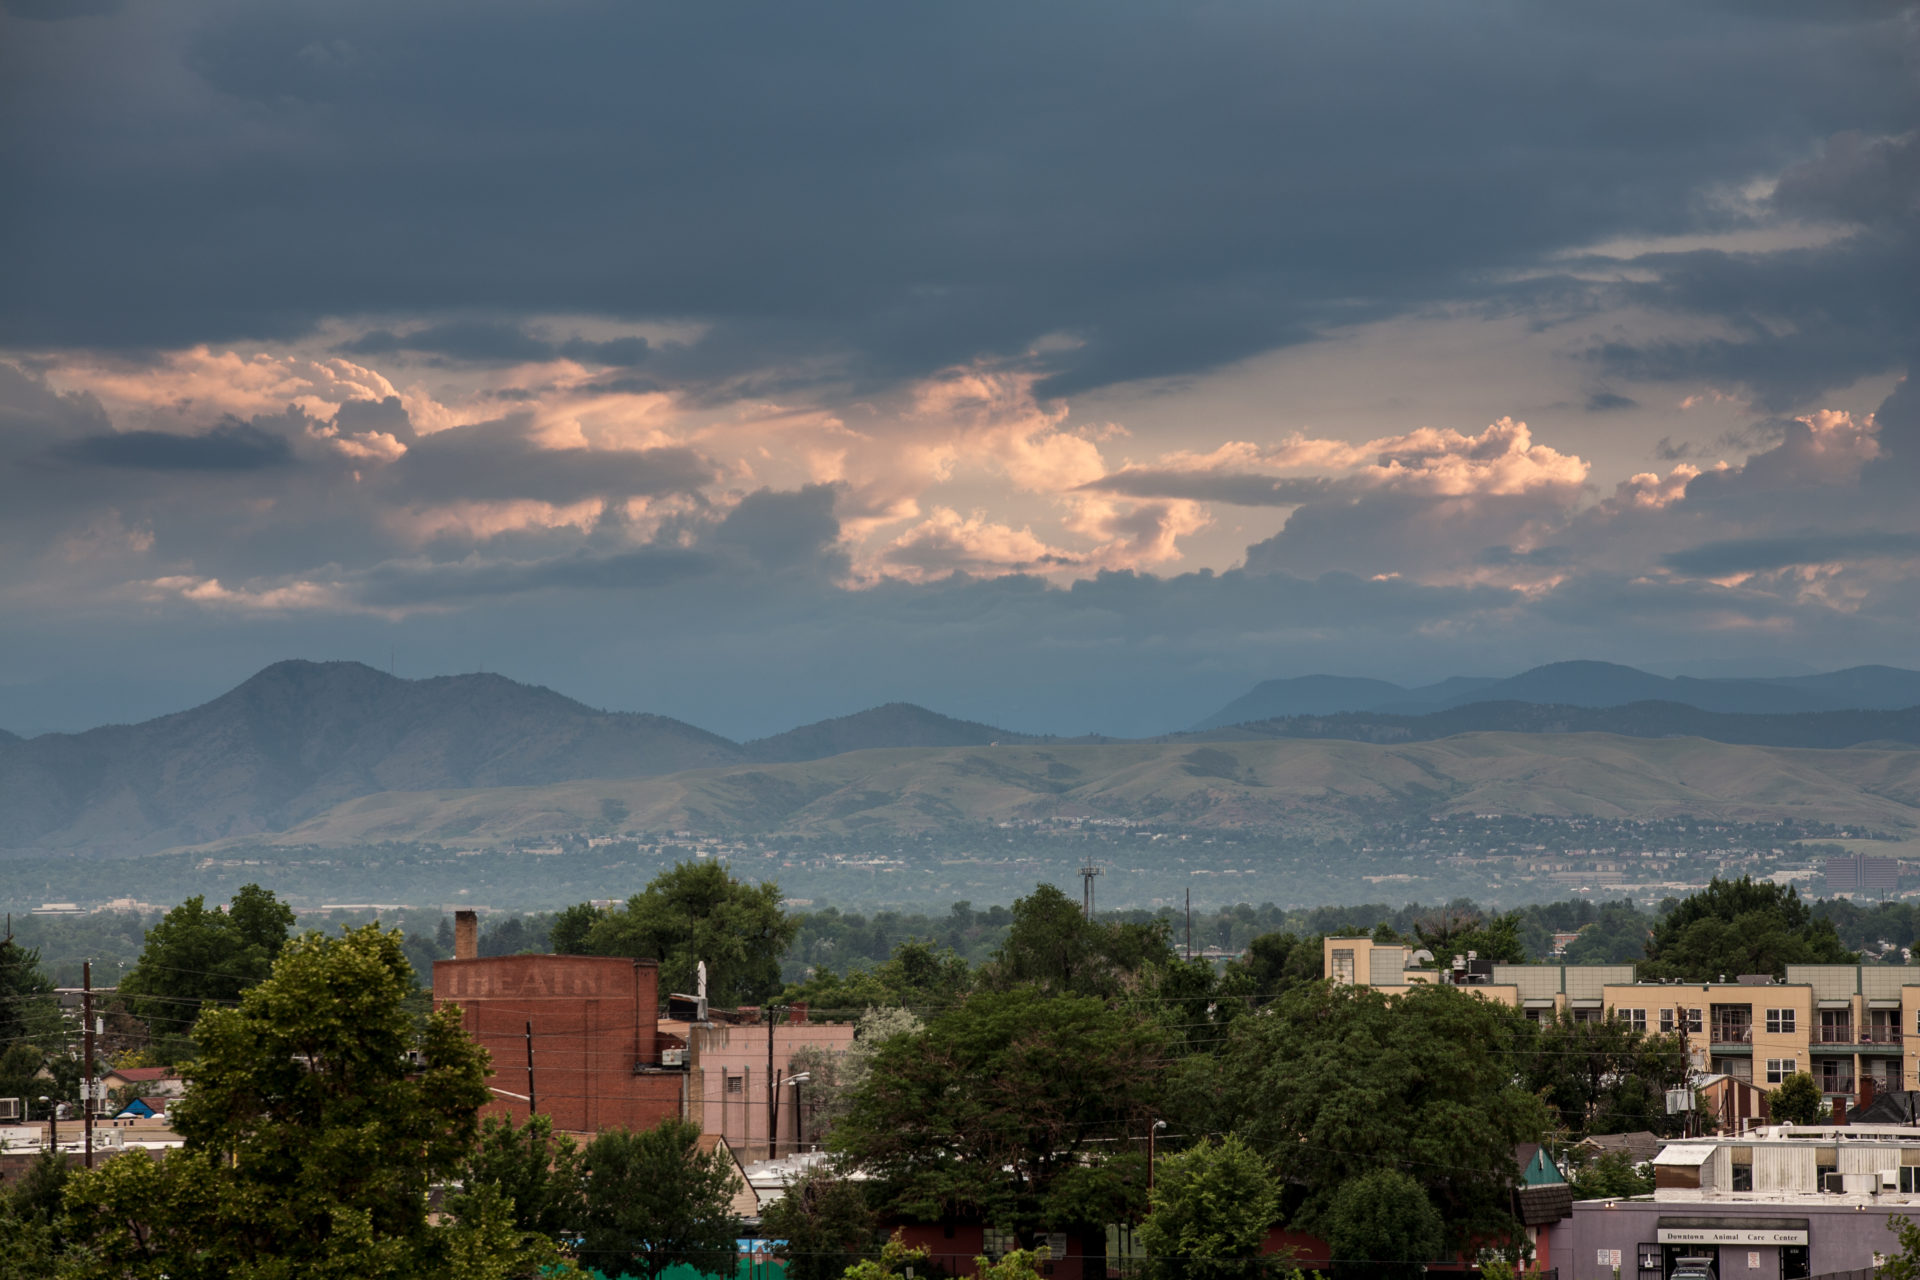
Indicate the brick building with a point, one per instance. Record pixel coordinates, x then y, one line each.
599 1057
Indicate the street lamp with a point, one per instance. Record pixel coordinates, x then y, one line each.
799 1116
1158 1125
53 1122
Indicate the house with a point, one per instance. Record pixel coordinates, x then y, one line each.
1640 1147
1781 1202
142 1109
160 1082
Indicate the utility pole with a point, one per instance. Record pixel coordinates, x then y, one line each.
1087 873
1189 922
532 1104
1158 1125
86 1054
773 1094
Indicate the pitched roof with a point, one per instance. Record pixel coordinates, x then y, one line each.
1640 1146
141 1075
1890 1106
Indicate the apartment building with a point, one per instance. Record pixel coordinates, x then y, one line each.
1842 1023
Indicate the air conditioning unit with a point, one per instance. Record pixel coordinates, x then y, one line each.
673 1057
11 1109
1889 1179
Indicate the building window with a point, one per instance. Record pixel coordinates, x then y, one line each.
1692 1017
1343 964
998 1243
1666 1022
1780 1021
736 1084
1909 1179
1779 1069
1635 1018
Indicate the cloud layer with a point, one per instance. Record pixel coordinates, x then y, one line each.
789 343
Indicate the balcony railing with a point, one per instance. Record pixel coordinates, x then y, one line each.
1835 1083
1842 1034
1733 1033
1879 1035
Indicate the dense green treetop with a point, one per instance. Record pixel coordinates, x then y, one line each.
1210 1210
1334 1082
21 984
1797 1100
654 1200
196 957
1740 926
823 1223
318 1117
691 912
1053 947
1603 1076
1382 1225
1012 1106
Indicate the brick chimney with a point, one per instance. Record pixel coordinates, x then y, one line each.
466 935
1839 1111
1866 1091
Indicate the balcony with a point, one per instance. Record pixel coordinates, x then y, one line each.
1733 1033
1841 1034
1835 1083
1880 1035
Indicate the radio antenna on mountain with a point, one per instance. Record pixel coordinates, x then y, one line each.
1087 873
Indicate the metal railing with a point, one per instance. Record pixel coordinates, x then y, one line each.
1733 1033
1835 1083
1880 1035
1842 1034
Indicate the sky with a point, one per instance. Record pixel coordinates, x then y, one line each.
1068 366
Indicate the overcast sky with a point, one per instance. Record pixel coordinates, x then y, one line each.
1068 366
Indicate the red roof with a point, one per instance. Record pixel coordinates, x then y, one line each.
139 1075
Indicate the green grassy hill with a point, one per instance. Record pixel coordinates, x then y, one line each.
1319 785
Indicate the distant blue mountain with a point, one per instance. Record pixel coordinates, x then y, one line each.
1577 684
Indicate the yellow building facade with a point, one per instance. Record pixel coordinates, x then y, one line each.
1841 1023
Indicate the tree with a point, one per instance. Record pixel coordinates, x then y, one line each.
823 1224
528 1166
1454 931
1054 947
1211 1207
1904 1265
696 911
1021 1264
22 986
1611 1175
1274 964
1006 1108
318 1119
195 958
1619 936
1331 1082
916 975
654 1199
1739 926
26 1246
894 1261
1603 1076
1381 1224
1798 1100
567 937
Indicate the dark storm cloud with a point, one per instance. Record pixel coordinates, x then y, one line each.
871 191
783 530
494 342
234 446
1759 555
496 461
1609 401
403 585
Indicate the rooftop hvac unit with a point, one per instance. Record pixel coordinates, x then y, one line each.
10 1109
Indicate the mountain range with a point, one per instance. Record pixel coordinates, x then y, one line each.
1577 684
300 740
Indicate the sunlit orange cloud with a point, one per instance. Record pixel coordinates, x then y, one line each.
192 385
